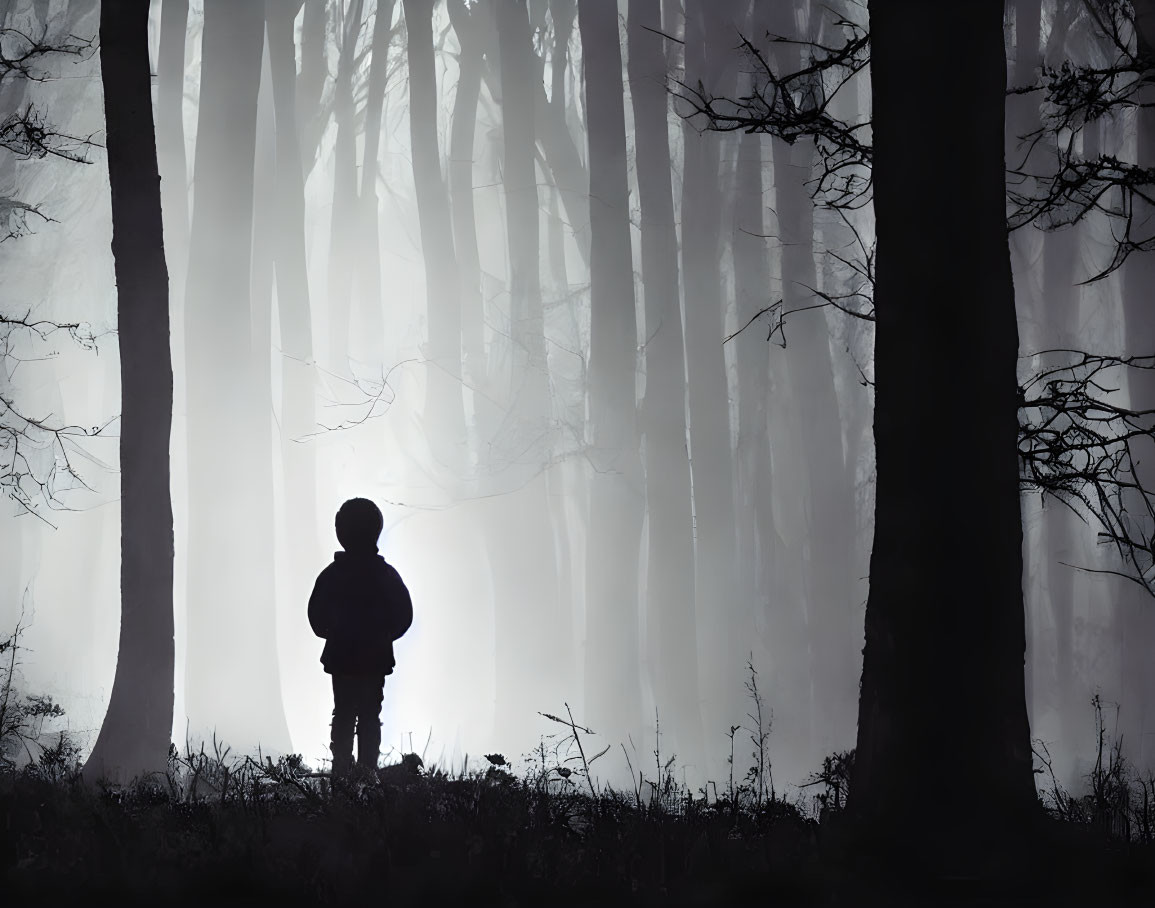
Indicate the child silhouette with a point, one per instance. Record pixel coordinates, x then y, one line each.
359 606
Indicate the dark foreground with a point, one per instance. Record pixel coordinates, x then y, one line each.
209 834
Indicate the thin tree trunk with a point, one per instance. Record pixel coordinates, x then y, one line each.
1059 318
343 223
312 115
531 633
757 546
562 13
444 411
170 138
294 319
469 24
671 628
613 689
231 611
711 460
1026 252
756 536
134 737
945 637
372 344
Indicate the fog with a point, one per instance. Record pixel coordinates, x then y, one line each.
609 478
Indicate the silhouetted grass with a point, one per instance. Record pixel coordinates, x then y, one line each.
217 830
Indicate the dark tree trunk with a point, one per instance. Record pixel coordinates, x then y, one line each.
613 688
134 737
231 613
670 567
942 680
444 412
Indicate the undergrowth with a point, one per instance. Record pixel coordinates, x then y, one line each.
220 829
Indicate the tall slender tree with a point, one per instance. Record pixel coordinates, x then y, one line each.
531 632
1022 115
343 225
616 492
170 144
756 545
670 618
708 47
368 287
444 411
232 670
294 315
472 25
134 737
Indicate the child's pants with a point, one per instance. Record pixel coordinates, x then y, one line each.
356 709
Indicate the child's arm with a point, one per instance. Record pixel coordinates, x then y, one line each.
400 603
319 610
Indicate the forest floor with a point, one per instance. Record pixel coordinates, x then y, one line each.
213 832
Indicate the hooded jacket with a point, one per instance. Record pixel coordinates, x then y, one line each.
359 606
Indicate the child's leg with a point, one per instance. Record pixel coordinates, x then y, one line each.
345 703
369 721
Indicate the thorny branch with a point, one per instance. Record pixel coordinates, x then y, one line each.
1124 192
38 454
1078 447
796 105
27 135
25 56
1075 97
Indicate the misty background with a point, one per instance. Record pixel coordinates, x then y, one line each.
609 477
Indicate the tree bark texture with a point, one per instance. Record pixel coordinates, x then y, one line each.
134 737
942 682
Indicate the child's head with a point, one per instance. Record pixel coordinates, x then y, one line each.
359 524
